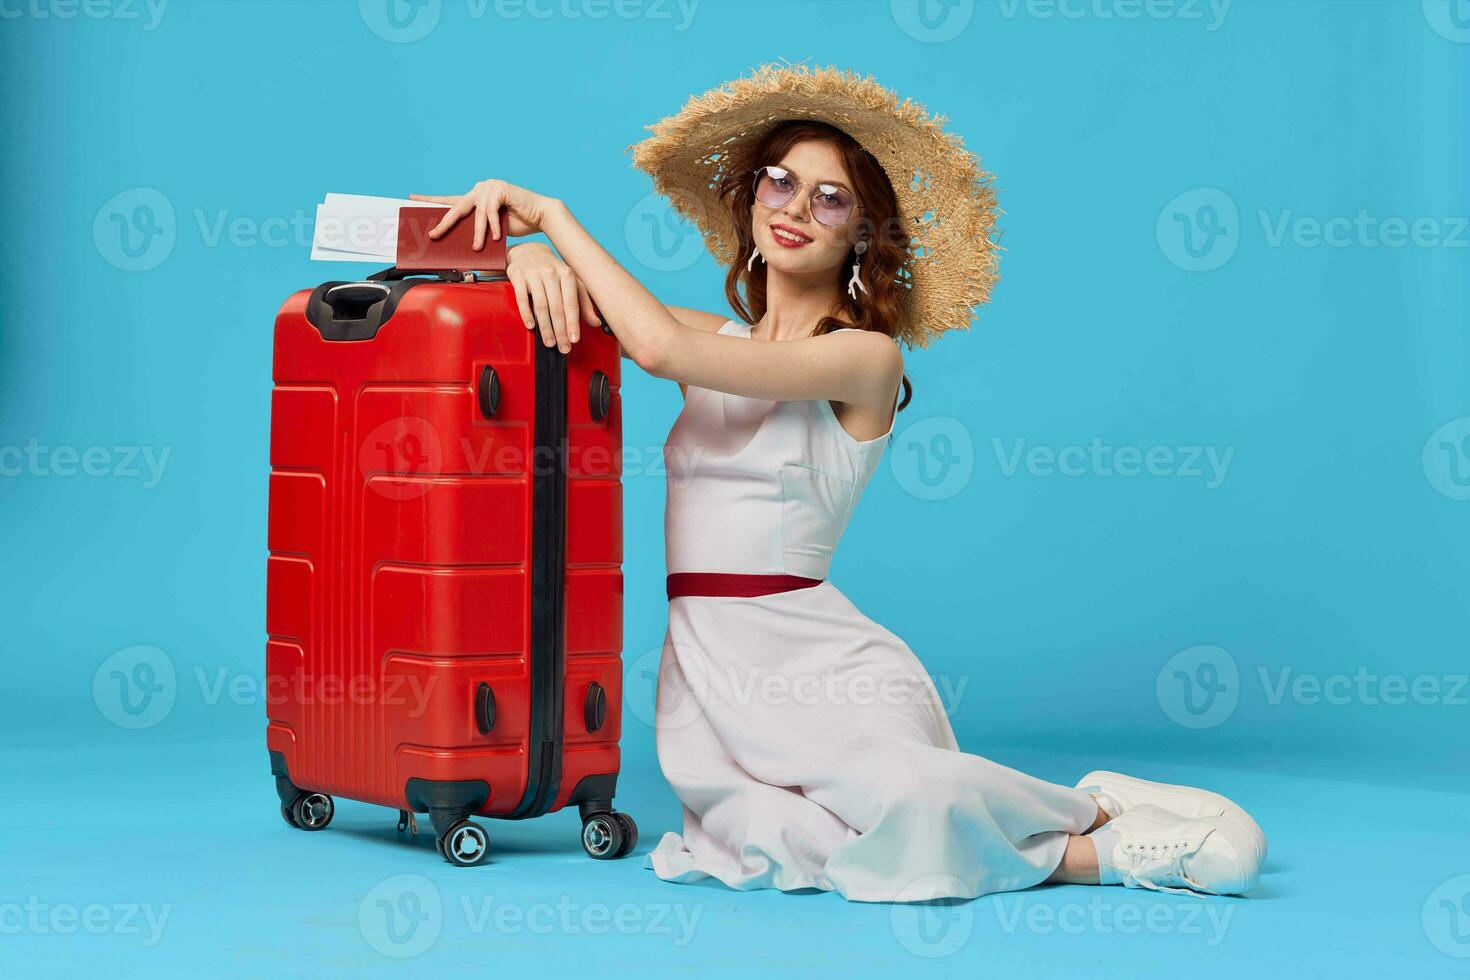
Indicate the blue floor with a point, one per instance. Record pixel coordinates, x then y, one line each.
160 858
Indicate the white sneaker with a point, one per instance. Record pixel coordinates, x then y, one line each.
1117 794
1163 851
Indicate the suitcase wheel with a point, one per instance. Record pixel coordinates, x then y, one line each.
609 835
310 811
464 844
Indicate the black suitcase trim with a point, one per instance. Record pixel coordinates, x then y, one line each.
548 583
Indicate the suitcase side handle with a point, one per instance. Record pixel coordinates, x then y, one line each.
484 708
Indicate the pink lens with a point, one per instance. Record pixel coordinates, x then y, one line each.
831 206
775 187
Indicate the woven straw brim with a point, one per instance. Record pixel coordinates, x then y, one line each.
944 195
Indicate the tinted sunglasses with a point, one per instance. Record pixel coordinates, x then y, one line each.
831 205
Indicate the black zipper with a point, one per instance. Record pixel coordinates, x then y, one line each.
548 567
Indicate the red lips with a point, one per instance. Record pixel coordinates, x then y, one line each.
802 237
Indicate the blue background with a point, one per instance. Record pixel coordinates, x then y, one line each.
1147 164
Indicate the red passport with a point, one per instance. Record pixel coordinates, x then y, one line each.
455 251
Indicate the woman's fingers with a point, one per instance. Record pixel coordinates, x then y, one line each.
571 307
435 198
495 199
458 210
556 300
523 299
479 226
587 307
542 305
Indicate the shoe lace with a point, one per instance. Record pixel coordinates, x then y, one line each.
1149 862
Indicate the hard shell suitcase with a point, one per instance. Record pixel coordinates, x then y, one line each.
444 586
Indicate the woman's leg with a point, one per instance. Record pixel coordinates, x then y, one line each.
1079 860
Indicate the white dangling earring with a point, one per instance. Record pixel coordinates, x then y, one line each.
755 253
854 284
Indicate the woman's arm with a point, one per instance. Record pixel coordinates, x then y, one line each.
543 284
854 367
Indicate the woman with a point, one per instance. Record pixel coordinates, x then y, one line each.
805 740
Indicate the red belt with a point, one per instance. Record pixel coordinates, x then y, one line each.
738 586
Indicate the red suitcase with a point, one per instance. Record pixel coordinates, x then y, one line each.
444 587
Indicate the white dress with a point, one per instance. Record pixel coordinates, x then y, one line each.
806 742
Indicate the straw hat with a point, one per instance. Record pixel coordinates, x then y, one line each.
944 195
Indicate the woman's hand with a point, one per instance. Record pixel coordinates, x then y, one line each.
525 210
549 294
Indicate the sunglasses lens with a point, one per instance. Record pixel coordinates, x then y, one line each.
831 206
774 187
